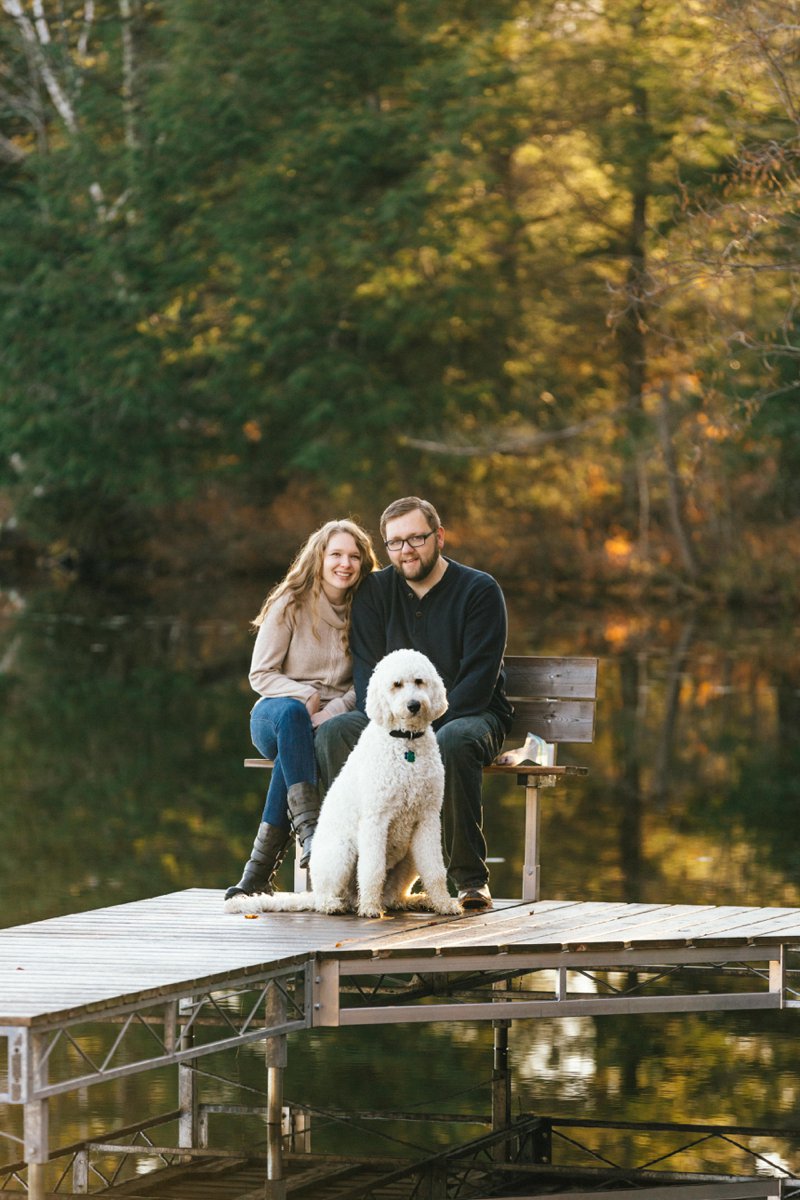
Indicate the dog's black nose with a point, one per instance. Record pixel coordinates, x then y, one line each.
414 706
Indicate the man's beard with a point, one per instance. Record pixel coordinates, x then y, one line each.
424 569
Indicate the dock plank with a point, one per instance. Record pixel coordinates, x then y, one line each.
661 926
600 928
184 942
729 925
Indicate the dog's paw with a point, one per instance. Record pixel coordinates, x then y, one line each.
370 910
449 908
416 902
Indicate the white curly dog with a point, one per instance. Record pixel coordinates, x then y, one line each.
380 825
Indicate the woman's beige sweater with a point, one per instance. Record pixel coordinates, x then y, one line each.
291 659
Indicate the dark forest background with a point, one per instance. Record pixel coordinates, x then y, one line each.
262 264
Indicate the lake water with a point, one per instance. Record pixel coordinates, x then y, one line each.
125 722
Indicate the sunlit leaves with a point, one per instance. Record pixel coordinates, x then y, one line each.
276 245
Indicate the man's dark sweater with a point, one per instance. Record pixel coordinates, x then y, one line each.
460 624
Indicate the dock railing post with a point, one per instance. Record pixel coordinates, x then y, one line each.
187 1084
501 1080
276 1056
777 975
36 1125
80 1172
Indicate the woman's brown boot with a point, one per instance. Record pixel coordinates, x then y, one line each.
266 856
303 803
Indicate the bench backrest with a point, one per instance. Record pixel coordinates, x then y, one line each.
555 699
552 697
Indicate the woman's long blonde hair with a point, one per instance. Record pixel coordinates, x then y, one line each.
302 583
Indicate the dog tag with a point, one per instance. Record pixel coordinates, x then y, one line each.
410 756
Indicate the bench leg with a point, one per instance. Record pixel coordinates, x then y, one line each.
530 870
301 874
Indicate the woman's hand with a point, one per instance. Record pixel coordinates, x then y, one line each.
334 708
312 704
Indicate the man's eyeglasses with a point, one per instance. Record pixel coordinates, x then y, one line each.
415 541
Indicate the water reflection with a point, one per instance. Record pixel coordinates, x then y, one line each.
121 744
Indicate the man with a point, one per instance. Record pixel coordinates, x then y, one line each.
457 617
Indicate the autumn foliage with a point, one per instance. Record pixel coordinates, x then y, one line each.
535 260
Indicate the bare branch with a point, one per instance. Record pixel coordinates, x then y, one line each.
42 28
106 213
34 38
518 447
88 19
128 74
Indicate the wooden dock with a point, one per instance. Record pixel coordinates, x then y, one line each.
201 981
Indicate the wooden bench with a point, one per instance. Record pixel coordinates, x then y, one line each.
553 698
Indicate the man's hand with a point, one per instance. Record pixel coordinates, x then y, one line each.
317 718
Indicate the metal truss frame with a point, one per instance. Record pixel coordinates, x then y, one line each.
522 1150
354 991
178 1028
552 1130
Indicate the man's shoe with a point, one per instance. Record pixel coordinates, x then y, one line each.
475 899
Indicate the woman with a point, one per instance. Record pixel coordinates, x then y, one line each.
302 670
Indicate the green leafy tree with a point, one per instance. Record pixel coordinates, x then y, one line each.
358 246
391 247
84 423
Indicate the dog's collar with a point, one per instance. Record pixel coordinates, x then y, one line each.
406 733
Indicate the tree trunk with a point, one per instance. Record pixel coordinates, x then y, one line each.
676 503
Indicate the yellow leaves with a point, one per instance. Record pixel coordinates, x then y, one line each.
202 342
252 431
518 368
598 485
619 548
617 632
170 865
391 279
713 431
428 260
173 310
410 269
704 692
531 153
198 322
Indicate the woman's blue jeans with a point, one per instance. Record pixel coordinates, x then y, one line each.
281 729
